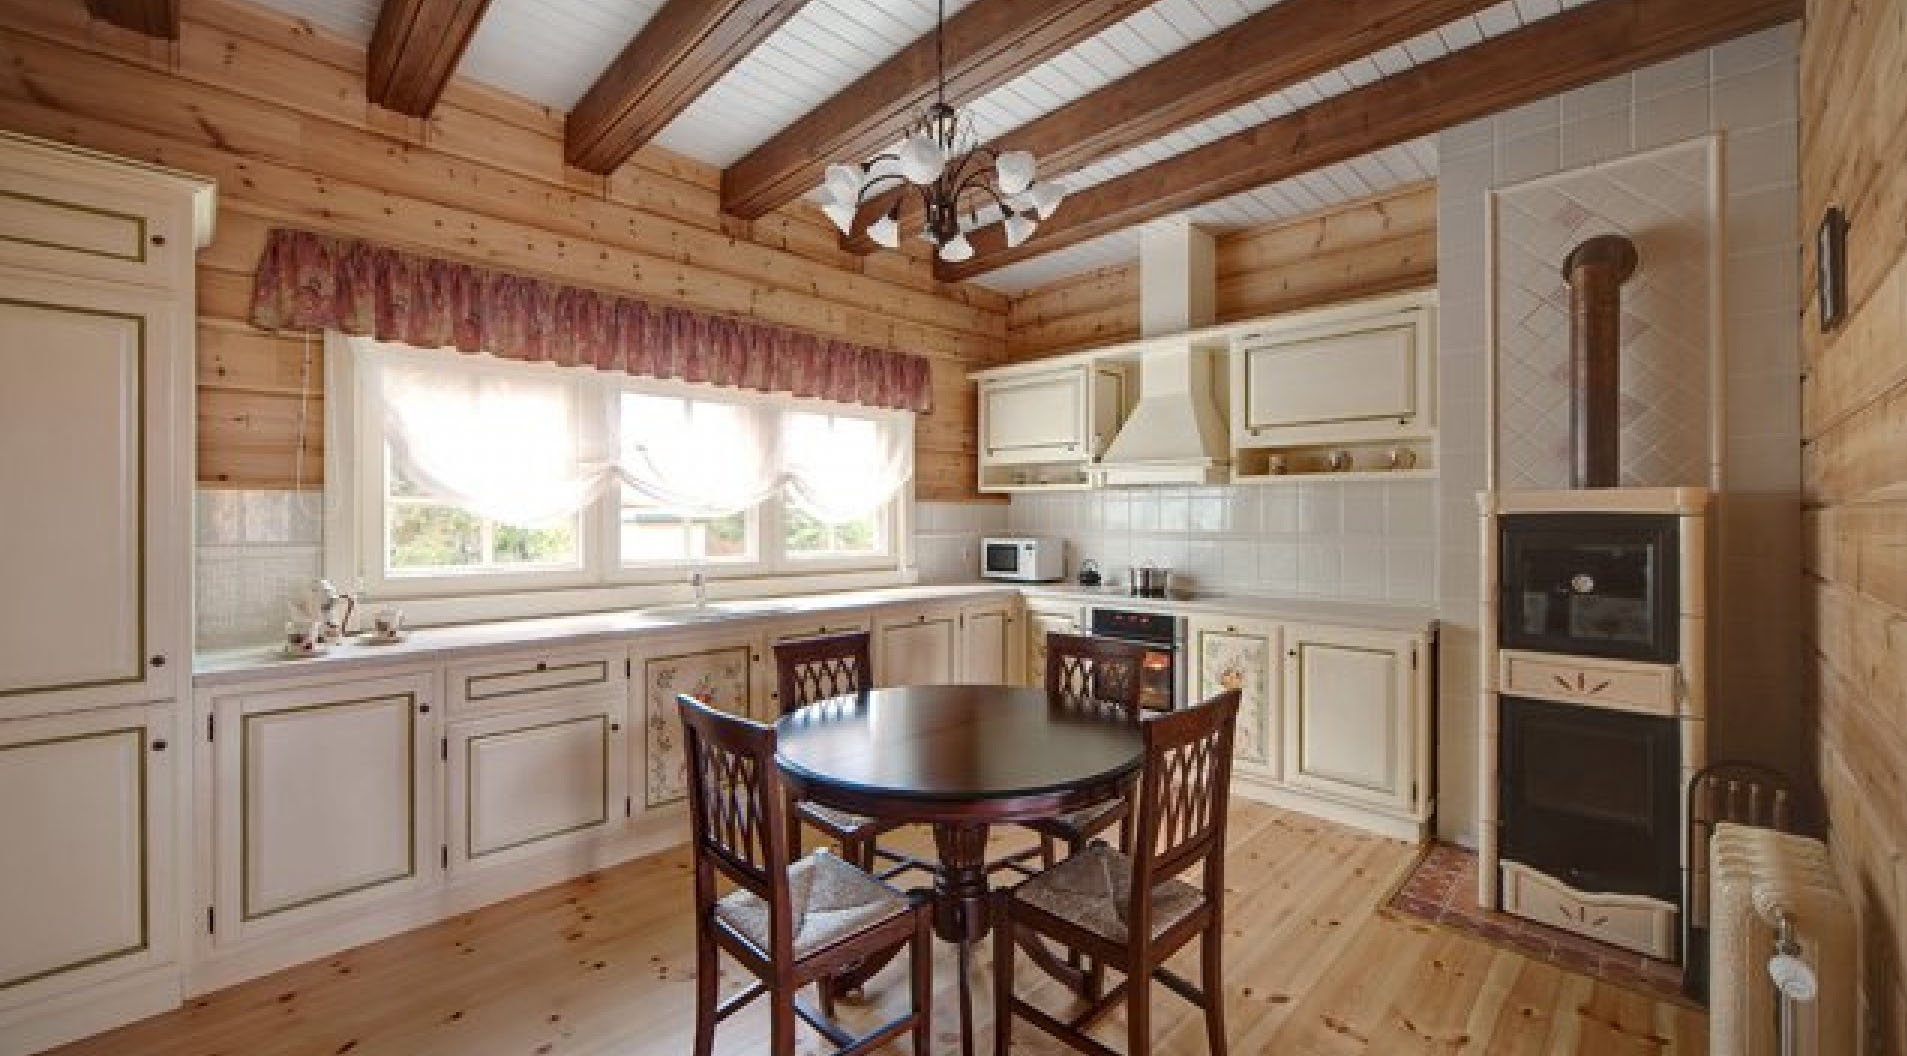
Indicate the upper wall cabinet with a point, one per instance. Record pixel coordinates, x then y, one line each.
96 329
1342 390
1042 429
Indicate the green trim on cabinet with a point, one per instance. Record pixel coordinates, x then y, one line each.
138 256
245 805
600 678
145 854
471 854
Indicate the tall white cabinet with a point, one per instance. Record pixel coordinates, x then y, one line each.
96 328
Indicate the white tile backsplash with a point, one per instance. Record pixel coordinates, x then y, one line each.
947 538
256 549
1317 538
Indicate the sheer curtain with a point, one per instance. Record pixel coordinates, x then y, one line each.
516 446
698 458
842 468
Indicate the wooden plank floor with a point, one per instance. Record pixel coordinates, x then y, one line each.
605 965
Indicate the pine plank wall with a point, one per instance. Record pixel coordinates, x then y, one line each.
1854 421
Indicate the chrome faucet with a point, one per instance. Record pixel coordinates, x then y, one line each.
699 584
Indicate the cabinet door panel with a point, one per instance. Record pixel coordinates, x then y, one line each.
920 652
720 675
1362 376
1230 654
323 799
1034 420
987 647
528 779
66 224
80 803
75 549
1348 715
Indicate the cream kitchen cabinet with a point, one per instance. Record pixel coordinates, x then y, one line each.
1042 428
723 669
325 800
1354 722
96 332
1044 618
87 874
1231 653
524 782
917 648
991 649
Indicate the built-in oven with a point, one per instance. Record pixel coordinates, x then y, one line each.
1590 584
1162 672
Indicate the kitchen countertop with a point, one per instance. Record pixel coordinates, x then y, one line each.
434 644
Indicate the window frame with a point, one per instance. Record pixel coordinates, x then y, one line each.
355 514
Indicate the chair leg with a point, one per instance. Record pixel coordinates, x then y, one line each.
781 1021
824 996
1139 1010
707 980
922 973
1002 975
858 852
1212 975
1048 857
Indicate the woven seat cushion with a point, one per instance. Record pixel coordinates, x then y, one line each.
831 900
1091 889
840 820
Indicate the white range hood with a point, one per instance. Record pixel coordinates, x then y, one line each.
1175 434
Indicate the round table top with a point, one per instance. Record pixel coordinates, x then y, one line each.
923 751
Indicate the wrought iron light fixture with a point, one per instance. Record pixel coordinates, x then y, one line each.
943 161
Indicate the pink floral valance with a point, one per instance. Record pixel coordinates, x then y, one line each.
307 281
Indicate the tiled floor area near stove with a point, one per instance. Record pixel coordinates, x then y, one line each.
1443 889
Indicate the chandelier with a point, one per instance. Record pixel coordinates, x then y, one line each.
943 161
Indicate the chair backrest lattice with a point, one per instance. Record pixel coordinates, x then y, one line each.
1102 670
814 669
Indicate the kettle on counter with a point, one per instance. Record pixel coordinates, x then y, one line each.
1089 573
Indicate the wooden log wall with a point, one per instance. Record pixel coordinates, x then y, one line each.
275 110
1379 245
1854 424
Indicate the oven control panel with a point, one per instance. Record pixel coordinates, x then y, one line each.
1152 628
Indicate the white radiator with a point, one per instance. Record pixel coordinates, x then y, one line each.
1781 947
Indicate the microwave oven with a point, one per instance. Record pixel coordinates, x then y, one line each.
1026 559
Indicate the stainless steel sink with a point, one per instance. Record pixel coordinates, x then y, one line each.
710 613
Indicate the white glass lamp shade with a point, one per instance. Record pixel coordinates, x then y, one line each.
842 183
921 159
1015 169
1019 228
885 232
957 249
1045 197
842 213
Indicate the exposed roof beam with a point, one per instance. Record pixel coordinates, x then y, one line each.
686 47
415 49
154 18
1274 49
1563 51
989 43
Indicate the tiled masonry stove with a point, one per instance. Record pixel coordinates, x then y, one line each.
1594 651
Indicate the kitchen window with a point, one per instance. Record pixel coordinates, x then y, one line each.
508 488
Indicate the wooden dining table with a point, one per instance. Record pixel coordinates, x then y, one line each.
961 759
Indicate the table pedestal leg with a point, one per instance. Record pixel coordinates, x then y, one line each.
960 905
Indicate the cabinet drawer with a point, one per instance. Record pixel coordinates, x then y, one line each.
1633 922
1648 688
531 679
524 782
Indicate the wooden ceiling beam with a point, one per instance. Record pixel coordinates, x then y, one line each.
154 18
989 43
1564 51
686 47
1278 47
415 50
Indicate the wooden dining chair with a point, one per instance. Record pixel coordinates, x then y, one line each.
814 669
788 923
1132 912
1082 669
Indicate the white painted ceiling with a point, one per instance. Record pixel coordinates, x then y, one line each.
550 51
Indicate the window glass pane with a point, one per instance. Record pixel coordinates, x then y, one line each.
433 537
809 537
652 535
545 545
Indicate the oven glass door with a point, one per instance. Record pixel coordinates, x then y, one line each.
1158 679
1590 585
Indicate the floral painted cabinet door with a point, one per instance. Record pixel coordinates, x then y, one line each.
721 673
1242 655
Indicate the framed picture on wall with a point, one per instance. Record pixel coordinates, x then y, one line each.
1830 268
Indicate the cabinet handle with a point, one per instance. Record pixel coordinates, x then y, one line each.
158 240
1292 653
158 660
542 665
615 727
159 745
423 709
